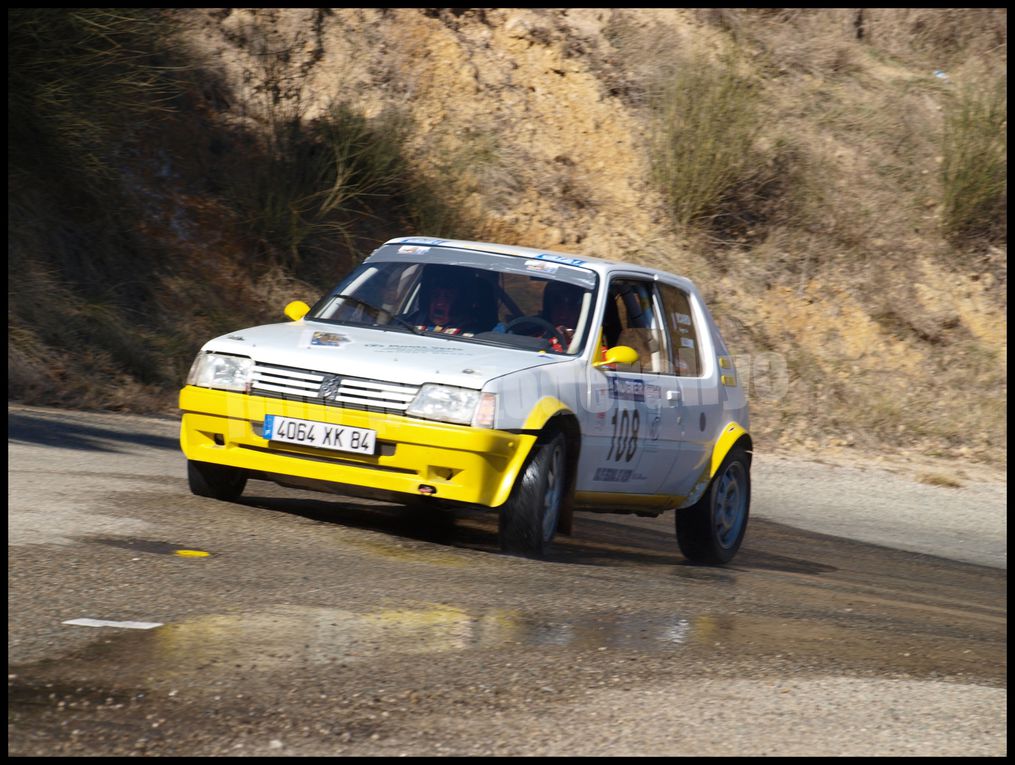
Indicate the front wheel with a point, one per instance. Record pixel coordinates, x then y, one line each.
528 520
216 481
712 529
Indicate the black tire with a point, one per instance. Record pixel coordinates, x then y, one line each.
528 520
216 481
711 530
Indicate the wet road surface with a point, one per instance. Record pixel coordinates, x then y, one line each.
295 623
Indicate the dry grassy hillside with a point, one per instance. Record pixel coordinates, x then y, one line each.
864 294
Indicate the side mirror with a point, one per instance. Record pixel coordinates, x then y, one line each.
296 310
619 354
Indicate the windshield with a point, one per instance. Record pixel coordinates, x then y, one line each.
505 300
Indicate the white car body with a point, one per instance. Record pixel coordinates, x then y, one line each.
645 437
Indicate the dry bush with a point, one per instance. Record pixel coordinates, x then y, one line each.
646 49
974 173
820 40
936 479
794 40
302 196
708 118
81 84
937 38
299 183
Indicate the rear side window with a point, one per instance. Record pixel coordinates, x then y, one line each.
682 331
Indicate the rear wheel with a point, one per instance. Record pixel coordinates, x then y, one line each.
711 530
216 481
528 520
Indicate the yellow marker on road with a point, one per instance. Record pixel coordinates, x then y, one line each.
192 553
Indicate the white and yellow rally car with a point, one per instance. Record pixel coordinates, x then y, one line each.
473 374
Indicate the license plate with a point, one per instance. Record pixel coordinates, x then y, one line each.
320 434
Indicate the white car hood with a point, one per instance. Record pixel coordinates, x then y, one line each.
376 354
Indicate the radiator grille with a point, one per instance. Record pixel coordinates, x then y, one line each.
308 386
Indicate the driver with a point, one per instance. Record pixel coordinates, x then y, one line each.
561 307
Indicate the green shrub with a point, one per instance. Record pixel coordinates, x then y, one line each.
974 170
707 119
315 179
80 82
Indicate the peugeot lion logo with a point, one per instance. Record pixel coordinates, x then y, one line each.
329 386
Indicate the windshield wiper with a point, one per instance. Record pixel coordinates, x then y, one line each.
378 311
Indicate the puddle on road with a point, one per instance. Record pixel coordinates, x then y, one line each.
290 636
323 635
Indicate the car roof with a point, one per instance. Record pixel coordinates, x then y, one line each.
600 265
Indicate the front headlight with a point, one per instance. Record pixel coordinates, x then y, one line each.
440 402
215 370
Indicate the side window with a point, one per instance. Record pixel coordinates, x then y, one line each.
632 319
683 333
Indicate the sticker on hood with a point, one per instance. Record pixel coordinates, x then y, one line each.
328 338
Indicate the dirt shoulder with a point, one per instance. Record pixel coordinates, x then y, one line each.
906 501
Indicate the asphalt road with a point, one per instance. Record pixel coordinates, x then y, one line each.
865 615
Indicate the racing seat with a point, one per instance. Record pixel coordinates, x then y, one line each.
650 350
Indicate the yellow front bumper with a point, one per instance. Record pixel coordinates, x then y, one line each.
462 463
